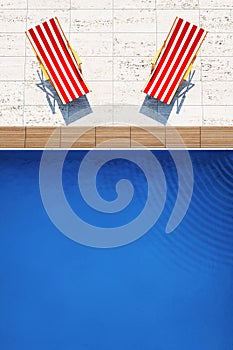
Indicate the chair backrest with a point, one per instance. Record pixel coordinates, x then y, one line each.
52 49
179 51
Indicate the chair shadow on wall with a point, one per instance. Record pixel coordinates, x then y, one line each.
161 111
72 111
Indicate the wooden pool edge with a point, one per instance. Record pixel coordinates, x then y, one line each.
86 137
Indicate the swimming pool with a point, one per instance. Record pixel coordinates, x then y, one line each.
163 291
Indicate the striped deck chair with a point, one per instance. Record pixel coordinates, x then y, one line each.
59 62
173 61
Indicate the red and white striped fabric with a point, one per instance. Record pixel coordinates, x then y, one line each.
183 42
51 47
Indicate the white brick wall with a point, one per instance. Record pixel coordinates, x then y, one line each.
116 40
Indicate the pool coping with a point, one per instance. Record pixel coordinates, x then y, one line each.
102 137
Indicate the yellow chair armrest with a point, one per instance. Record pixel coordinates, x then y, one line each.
155 58
197 53
76 56
186 76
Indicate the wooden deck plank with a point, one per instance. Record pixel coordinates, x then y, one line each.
117 137
151 137
77 137
113 136
217 137
38 137
183 137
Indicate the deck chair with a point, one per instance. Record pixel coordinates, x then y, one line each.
60 64
173 61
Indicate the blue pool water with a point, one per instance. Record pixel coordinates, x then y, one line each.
160 292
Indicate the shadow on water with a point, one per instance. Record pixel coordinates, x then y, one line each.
161 111
72 111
